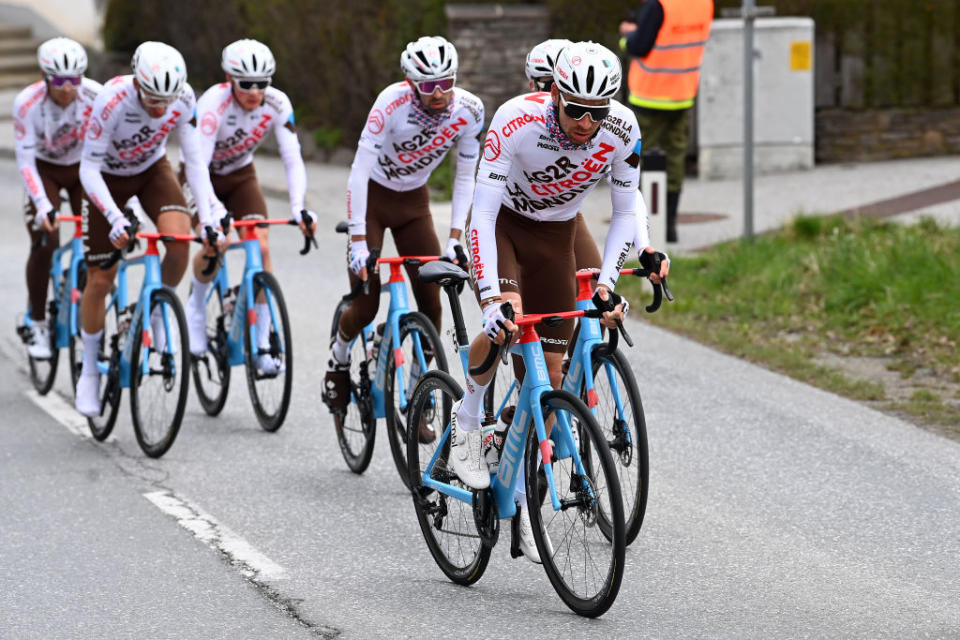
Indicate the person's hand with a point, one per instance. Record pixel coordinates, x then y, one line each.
220 240
657 262
45 221
307 220
494 323
118 233
451 251
626 27
358 258
614 306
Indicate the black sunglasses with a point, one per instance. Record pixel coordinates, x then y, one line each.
577 111
247 85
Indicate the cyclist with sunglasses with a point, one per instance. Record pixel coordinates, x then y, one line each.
235 117
124 155
543 153
49 118
411 128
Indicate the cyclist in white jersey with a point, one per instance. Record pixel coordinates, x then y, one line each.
411 127
49 118
542 155
234 118
124 155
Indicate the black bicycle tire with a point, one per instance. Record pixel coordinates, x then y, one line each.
396 430
600 602
269 422
358 461
183 356
213 405
640 457
101 432
469 573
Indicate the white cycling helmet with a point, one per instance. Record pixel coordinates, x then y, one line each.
429 58
543 57
159 69
587 70
248 59
62 57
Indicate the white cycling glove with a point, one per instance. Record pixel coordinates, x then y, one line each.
118 228
493 320
358 255
39 218
451 249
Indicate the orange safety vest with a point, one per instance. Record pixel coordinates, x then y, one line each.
667 78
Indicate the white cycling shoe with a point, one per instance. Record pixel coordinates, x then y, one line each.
527 543
39 346
269 365
197 328
466 453
88 395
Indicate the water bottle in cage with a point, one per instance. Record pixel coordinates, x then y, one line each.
374 351
124 318
492 437
229 303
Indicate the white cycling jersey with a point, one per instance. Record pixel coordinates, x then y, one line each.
44 130
123 140
229 135
530 167
401 146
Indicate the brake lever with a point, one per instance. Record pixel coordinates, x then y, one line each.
623 332
215 258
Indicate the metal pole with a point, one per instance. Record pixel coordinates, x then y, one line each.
749 7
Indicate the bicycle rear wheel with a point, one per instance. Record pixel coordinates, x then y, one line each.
211 371
422 350
270 389
159 373
584 565
625 431
108 355
447 523
355 425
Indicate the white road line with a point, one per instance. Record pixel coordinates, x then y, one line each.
61 411
250 562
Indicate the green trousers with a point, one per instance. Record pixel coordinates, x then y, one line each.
667 131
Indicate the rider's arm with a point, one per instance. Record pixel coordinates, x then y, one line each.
360 170
293 163
642 240
468 152
99 133
198 174
25 150
483 238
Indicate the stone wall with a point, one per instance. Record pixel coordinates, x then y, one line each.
492 42
878 134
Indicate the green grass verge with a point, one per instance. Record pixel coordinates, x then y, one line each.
852 288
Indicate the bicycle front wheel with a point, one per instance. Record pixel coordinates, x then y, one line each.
620 418
269 364
211 371
75 344
421 350
448 524
584 564
159 374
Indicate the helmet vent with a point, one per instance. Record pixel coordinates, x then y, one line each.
590 78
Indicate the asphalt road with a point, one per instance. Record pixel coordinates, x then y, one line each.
776 510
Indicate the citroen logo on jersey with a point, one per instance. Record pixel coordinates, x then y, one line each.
491 147
375 122
208 124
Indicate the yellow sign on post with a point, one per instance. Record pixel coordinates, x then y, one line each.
800 56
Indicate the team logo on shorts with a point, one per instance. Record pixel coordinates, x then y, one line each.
491 147
208 124
375 122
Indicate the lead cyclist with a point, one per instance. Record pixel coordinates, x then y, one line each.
544 152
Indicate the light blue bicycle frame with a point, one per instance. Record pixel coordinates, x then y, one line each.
151 282
67 314
399 307
253 264
536 382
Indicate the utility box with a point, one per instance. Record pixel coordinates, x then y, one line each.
783 98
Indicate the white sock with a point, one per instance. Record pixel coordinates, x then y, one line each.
263 324
473 399
91 351
341 349
470 420
198 293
